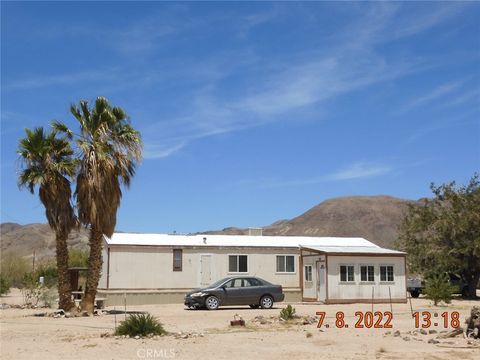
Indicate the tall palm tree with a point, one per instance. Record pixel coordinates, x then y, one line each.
110 150
47 163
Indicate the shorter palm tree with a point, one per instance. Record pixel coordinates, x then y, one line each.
47 162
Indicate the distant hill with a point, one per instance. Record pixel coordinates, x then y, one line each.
375 218
25 239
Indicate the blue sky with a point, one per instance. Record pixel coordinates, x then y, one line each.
251 112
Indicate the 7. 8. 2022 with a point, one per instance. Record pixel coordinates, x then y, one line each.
368 319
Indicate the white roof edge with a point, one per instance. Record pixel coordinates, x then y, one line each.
234 240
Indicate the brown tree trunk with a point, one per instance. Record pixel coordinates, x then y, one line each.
94 270
65 301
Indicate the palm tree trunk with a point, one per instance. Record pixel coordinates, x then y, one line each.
94 270
64 291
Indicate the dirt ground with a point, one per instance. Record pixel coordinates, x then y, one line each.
208 334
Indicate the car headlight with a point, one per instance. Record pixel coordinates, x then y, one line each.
197 294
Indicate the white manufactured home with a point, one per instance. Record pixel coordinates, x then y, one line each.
160 268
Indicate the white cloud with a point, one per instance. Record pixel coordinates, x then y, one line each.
360 170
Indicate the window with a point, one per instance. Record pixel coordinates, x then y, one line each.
253 282
386 273
285 264
347 273
177 259
237 263
235 283
367 273
308 272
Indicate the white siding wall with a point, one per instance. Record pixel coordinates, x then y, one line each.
359 290
152 268
102 283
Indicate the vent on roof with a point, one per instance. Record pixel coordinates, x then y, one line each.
255 231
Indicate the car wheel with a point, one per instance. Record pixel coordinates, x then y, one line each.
266 302
212 302
254 306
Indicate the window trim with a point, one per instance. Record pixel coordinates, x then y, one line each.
238 264
360 272
286 272
347 282
386 274
176 268
306 272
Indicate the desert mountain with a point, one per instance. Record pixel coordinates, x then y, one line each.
375 218
25 239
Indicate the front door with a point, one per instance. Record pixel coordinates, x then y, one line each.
205 270
321 281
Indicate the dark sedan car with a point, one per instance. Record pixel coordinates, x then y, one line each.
244 290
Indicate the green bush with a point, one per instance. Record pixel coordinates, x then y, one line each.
141 325
287 313
78 258
14 267
439 289
4 284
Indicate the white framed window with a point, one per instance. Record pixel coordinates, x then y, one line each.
238 263
308 272
387 273
367 273
177 259
347 273
285 264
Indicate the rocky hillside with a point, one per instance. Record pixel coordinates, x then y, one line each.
375 218
25 239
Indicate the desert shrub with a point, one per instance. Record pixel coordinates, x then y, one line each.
287 313
37 294
4 284
14 267
439 289
140 324
78 258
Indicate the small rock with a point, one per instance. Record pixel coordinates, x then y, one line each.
116 337
406 338
137 337
184 336
387 333
396 333
201 335
423 332
68 314
433 341
432 331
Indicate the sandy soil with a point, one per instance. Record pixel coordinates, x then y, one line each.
25 336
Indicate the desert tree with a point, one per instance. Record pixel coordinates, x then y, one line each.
47 163
110 149
443 233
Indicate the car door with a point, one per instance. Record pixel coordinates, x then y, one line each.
254 290
234 292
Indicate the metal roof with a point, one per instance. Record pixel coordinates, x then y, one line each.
352 249
236 241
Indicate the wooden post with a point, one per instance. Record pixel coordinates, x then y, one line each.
390 296
373 289
125 304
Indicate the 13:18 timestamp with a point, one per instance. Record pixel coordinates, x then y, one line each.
426 319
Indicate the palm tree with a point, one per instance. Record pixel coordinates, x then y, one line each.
47 163
110 150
